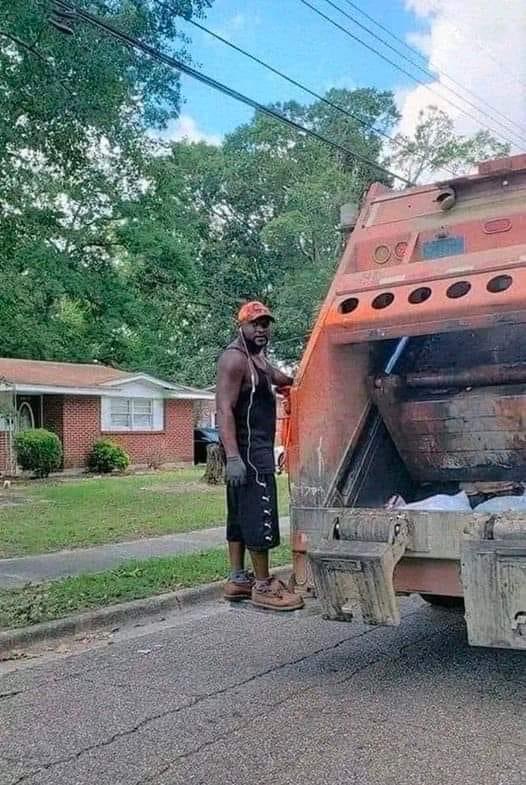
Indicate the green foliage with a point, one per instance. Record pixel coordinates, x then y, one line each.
106 457
133 580
262 212
110 251
73 155
39 451
435 146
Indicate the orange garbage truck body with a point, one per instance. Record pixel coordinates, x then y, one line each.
407 442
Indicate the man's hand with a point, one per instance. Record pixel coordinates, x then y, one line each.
236 472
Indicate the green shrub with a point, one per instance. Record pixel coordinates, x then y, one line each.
39 451
105 456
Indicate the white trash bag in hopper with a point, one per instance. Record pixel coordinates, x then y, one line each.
441 502
503 504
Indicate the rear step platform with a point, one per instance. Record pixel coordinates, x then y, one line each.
355 562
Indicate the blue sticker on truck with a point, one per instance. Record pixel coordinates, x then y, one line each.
442 246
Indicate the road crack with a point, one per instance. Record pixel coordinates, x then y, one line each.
12 694
208 696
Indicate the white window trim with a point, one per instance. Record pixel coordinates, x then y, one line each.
157 407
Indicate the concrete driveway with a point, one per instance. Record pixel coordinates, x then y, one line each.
219 696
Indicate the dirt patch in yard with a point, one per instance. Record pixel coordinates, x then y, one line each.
13 500
181 487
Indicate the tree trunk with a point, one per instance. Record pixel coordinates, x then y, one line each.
215 465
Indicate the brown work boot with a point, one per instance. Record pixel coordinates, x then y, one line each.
238 590
276 597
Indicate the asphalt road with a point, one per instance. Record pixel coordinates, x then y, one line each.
225 696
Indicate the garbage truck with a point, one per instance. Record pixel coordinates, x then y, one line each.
407 432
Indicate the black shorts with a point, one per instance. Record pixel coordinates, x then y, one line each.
252 513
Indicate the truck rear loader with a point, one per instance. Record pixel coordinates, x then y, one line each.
413 383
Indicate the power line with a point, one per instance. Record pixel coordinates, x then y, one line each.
294 82
283 75
32 50
23 45
425 69
174 62
410 75
384 28
431 75
400 68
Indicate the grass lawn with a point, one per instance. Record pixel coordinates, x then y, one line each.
131 581
89 511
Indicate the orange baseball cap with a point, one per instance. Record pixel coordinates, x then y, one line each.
252 311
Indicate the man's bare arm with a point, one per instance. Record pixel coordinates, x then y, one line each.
280 379
230 374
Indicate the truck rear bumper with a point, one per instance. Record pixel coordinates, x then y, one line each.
365 557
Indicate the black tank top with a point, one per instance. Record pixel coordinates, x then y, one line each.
257 421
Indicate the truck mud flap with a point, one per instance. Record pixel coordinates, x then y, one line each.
353 566
494 579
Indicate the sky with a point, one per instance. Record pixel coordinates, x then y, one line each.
476 49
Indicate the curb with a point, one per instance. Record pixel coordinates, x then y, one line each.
115 614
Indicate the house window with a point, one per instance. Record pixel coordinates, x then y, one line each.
120 412
132 414
142 414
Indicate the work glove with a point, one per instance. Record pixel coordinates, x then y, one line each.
236 472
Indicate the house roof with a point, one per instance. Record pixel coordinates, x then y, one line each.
82 378
66 374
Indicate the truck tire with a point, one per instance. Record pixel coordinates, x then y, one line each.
441 601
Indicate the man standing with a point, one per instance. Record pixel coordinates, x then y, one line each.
246 416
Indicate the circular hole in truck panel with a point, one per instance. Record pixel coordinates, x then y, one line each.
349 305
458 289
499 284
419 295
382 300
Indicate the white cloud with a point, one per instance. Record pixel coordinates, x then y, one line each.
237 22
479 44
233 26
185 128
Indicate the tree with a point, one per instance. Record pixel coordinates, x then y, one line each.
73 150
279 203
257 217
435 146
116 248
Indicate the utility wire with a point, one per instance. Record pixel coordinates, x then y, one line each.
384 28
32 50
175 63
23 45
294 82
289 79
429 71
432 75
400 68
233 301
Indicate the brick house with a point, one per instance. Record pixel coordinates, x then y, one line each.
152 419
